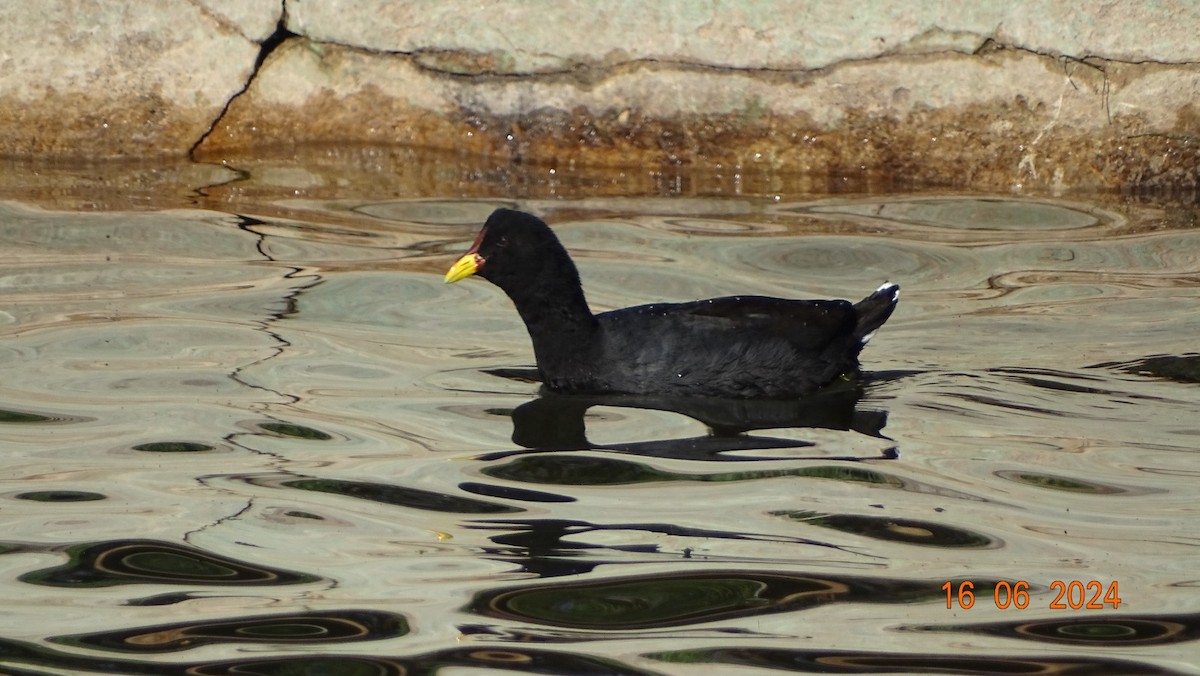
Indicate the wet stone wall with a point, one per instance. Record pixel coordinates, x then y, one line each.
998 97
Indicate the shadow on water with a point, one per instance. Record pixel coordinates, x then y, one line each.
550 427
557 422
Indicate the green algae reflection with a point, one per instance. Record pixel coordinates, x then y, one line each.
7 416
295 431
827 661
103 564
907 531
585 470
26 417
172 447
391 494
671 600
1059 483
339 626
1094 631
60 496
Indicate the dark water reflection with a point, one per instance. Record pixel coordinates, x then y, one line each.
681 599
103 564
839 662
335 627
557 422
1106 631
274 442
348 664
1184 368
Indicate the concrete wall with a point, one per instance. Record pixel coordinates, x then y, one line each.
989 95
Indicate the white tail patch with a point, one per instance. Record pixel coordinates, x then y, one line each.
886 288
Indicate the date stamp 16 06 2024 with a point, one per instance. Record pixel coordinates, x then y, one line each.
1068 595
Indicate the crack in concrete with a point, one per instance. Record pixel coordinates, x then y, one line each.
476 69
577 69
266 47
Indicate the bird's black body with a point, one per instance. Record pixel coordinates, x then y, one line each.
749 347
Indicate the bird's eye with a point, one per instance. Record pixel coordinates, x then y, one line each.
502 242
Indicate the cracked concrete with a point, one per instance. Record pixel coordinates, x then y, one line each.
267 43
986 97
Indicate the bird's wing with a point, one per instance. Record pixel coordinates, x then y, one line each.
807 324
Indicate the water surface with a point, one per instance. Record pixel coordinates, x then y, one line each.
258 441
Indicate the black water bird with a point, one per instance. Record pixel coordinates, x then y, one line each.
741 347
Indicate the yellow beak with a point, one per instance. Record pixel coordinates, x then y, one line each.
463 267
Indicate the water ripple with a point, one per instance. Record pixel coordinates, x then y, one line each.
263 419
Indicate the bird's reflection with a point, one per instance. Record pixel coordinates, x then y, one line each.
556 422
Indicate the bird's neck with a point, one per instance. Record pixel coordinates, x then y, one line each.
557 320
560 324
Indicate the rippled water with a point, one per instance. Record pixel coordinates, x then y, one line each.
275 442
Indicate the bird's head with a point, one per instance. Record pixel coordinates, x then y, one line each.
512 248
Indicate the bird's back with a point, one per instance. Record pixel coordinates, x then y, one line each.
737 346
